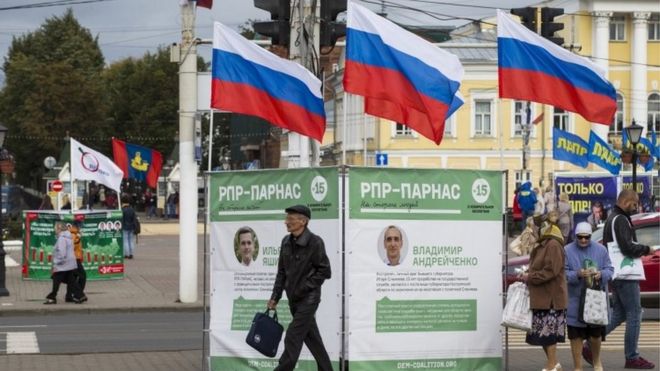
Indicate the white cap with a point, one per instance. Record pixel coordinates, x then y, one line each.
583 228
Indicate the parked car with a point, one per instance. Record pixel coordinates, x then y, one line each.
647 228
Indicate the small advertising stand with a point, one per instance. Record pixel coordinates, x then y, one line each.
101 234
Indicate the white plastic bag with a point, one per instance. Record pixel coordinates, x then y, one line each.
517 313
625 268
595 307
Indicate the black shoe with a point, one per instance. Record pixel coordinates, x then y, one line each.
130 256
69 300
81 300
50 301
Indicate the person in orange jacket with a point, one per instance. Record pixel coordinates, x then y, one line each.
80 274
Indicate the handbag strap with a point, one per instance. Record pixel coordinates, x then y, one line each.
614 234
274 313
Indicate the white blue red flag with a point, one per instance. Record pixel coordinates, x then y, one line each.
401 76
250 80
535 69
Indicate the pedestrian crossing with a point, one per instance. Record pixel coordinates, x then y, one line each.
649 338
24 342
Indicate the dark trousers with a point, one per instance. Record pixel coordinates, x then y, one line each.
303 328
80 275
68 278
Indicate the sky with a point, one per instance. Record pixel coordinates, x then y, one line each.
130 28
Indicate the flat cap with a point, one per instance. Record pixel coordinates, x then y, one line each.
299 209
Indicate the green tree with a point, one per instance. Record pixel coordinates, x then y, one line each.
247 29
143 99
52 87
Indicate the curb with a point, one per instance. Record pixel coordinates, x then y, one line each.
81 309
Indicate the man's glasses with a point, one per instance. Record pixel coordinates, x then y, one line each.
584 237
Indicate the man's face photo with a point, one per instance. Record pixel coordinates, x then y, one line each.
393 244
246 247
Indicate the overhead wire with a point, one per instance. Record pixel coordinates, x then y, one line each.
51 4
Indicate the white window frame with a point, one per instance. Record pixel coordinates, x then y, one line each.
569 120
653 116
405 132
515 115
482 96
654 27
450 127
618 27
520 178
619 115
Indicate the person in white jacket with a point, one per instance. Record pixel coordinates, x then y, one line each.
64 266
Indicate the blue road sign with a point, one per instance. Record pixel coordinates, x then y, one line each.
381 159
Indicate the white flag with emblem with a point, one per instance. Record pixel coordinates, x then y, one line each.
88 164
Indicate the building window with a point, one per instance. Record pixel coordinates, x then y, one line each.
617 125
654 27
523 176
519 117
560 119
653 120
618 28
402 130
449 128
482 118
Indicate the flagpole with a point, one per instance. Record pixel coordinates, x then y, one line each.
343 134
542 144
72 197
210 139
499 125
364 137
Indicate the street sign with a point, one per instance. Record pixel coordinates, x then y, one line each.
56 186
381 159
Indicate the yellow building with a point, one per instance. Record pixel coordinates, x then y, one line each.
486 132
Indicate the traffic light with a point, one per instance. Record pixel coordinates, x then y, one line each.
278 28
330 30
549 26
527 17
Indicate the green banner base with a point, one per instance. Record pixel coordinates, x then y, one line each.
259 364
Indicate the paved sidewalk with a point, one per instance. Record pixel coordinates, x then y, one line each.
151 280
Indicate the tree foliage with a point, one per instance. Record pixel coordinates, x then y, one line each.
52 87
142 97
56 83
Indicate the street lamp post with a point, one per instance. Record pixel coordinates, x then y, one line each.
634 133
3 270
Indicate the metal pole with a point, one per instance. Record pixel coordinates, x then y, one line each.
187 164
3 268
634 168
211 139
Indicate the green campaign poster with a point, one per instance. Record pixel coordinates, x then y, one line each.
423 269
250 204
101 232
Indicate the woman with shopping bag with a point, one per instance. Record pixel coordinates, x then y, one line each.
548 296
588 267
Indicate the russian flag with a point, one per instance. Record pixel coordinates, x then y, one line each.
137 162
535 69
250 80
402 77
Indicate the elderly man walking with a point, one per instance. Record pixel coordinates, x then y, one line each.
303 266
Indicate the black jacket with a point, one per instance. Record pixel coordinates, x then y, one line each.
625 234
302 268
128 218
